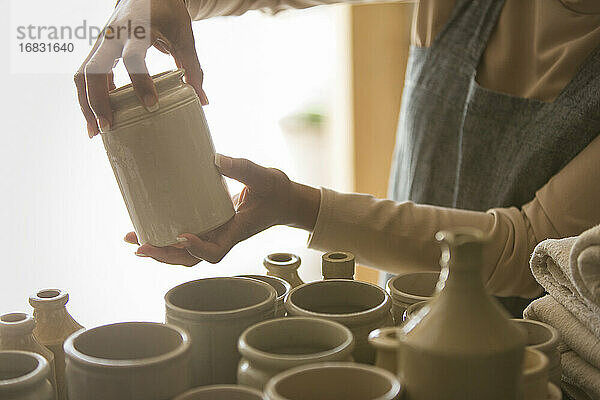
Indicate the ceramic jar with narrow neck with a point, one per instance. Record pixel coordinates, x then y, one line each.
337 265
24 376
16 333
53 326
284 266
461 345
281 287
164 163
270 347
409 288
360 306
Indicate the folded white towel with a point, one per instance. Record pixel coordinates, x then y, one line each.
585 266
577 372
551 268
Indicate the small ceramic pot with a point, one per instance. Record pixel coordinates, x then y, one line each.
221 392
386 344
53 326
554 393
284 266
282 288
337 265
24 376
410 288
327 381
215 312
360 306
274 346
128 361
545 338
535 375
412 310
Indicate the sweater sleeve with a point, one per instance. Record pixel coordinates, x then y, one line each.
399 236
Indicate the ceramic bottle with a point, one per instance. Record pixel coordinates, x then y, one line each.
24 376
16 333
461 345
164 163
284 266
281 287
53 326
337 265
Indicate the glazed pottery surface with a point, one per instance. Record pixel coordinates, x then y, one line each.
16 333
270 347
360 306
337 265
164 163
284 266
24 376
461 345
545 338
534 385
53 326
215 311
128 361
281 286
409 288
328 381
385 341
221 392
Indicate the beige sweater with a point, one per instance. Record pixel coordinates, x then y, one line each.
534 51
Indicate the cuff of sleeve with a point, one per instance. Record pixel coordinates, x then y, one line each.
319 234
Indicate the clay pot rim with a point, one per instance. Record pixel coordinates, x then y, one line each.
554 392
74 355
185 313
539 368
549 344
24 325
380 338
343 350
285 266
39 373
372 313
395 390
37 301
399 293
209 388
259 277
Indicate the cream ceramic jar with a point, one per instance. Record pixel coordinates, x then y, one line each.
24 376
164 163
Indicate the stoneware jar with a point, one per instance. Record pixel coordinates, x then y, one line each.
410 288
164 163
16 333
53 326
545 338
360 306
24 376
215 312
534 384
281 287
221 392
461 345
270 347
128 361
328 381
284 266
385 342
412 310
337 265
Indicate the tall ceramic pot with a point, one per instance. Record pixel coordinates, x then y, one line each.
337 265
16 333
284 266
215 312
164 163
53 326
270 347
221 392
24 376
325 381
409 288
128 361
360 306
281 287
545 338
461 345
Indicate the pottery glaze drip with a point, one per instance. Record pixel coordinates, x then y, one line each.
163 162
461 344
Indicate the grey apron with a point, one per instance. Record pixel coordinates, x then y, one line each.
461 145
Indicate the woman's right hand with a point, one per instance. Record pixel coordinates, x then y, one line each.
135 26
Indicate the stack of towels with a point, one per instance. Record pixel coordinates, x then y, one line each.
569 271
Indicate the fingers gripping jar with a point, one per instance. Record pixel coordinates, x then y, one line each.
164 163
